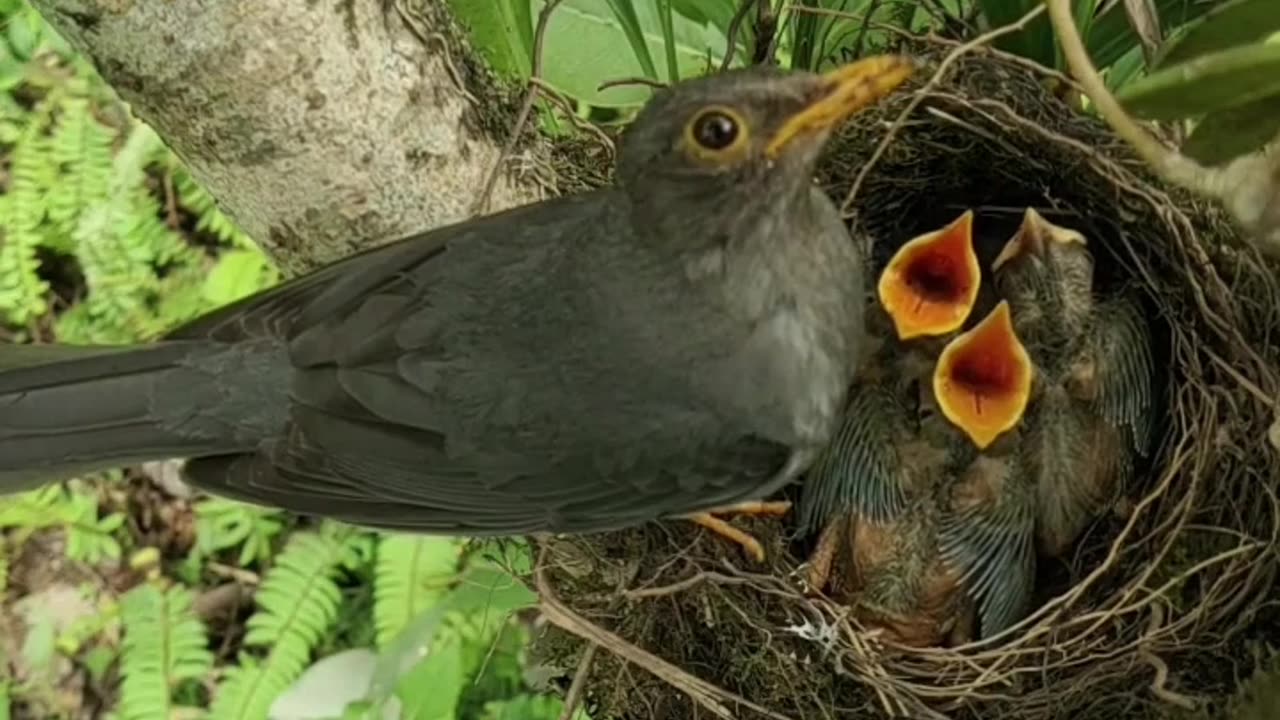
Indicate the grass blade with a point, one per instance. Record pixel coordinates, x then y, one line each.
668 23
1034 42
625 11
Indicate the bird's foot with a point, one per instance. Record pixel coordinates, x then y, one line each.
721 527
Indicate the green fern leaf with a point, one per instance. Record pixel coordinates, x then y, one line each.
208 217
529 707
164 644
412 573
297 602
223 524
31 171
82 148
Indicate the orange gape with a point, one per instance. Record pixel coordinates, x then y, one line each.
983 378
931 283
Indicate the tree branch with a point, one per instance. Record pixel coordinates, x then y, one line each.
321 128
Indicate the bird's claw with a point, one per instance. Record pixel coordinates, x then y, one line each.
721 527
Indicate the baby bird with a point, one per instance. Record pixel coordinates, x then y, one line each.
927 536
1091 411
925 292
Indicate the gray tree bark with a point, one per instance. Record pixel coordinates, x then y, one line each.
320 127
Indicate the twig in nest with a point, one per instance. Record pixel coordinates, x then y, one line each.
539 35
619 82
681 585
920 95
574 697
550 93
706 695
1162 670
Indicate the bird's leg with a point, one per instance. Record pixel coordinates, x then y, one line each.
708 520
824 555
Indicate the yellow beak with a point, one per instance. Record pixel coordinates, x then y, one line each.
1033 236
850 88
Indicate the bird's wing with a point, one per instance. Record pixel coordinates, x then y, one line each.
421 396
1056 442
988 537
1121 344
399 479
860 470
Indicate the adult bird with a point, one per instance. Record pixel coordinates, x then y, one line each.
1092 408
679 341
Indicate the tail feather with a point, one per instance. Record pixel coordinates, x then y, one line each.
67 410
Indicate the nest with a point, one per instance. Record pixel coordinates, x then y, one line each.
1155 610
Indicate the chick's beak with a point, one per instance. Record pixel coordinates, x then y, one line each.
847 89
1033 237
983 378
931 282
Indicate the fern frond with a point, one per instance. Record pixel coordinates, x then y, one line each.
31 170
164 644
297 602
82 148
209 218
116 267
412 573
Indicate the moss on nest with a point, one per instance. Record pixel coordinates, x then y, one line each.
1155 596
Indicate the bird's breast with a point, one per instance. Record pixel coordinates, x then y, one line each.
813 376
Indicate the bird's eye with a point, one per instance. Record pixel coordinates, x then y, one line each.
715 130
716 134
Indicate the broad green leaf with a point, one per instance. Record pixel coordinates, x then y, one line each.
716 16
1125 69
24 34
625 12
502 30
1035 41
329 686
481 589
718 13
1229 25
1223 136
431 690
237 273
1111 36
590 49
1221 80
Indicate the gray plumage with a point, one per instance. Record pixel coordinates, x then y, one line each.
680 340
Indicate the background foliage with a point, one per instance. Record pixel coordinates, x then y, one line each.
127 598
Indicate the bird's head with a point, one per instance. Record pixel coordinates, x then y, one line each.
1045 271
744 136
